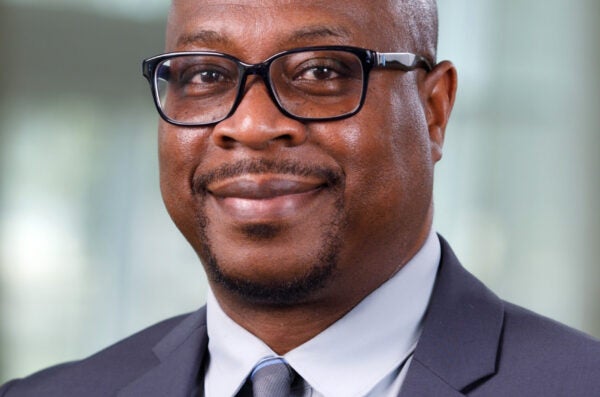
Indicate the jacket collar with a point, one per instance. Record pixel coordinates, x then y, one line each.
461 334
181 354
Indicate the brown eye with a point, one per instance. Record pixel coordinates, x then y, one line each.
319 73
205 79
320 69
203 75
210 76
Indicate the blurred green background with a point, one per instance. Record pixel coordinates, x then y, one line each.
88 255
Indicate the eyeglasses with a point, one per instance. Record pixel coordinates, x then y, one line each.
311 83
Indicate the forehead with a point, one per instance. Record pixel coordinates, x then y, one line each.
263 27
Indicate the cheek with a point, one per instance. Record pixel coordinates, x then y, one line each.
408 137
384 151
365 151
180 151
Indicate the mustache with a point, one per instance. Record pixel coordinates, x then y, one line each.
332 177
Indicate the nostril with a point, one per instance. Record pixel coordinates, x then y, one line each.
227 141
258 124
286 139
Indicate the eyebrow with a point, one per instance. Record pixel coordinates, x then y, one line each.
211 37
202 37
319 32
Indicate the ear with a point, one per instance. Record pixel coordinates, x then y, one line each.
438 93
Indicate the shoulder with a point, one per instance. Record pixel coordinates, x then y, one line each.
536 340
101 374
484 346
539 356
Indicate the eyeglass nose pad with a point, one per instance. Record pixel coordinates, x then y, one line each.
257 122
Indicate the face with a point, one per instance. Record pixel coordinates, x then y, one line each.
286 212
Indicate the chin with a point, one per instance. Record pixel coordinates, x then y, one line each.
278 290
269 268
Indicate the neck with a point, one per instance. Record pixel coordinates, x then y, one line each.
272 324
355 278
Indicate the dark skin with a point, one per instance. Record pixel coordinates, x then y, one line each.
380 213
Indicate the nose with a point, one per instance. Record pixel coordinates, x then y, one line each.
257 123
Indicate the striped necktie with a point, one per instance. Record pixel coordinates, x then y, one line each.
271 377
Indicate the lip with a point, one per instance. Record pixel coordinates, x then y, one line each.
259 187
265 197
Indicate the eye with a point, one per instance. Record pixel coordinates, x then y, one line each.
319 73
319 69
204 74
209 76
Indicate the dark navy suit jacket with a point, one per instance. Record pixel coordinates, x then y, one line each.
473 344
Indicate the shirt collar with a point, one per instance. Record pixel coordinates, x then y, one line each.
369 342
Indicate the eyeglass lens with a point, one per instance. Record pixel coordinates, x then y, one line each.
202 89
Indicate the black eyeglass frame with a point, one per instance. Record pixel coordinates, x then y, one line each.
403 61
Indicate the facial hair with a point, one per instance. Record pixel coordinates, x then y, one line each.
319 270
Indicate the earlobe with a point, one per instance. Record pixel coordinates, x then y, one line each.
439 94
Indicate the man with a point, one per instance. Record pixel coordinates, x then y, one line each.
297 147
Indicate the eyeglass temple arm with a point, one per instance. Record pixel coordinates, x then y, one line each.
401 60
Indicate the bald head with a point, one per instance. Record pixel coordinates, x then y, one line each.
418 20
412 20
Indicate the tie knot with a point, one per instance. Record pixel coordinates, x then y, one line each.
271 377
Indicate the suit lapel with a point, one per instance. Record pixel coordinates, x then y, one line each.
461 334
181 354
422 382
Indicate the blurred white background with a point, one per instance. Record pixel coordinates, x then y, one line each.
88 255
